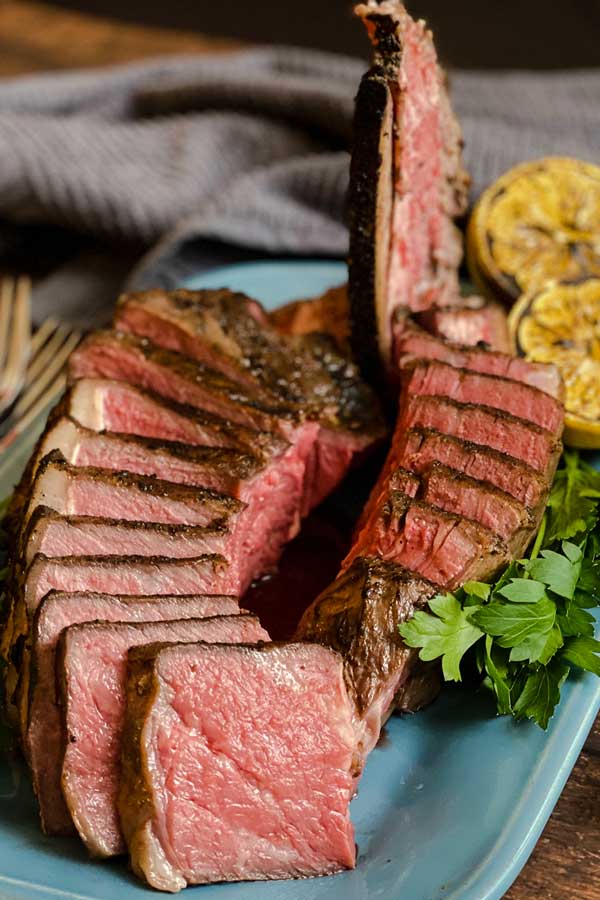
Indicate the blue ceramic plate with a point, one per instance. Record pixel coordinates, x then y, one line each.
451 803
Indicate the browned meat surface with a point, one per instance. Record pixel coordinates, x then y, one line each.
327 314
358 615
406 186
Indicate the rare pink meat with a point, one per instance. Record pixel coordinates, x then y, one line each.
440 379
136 575
238 764
486 426
413 343
55 535
92 662
43 742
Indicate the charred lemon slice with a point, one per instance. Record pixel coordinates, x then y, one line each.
560 324
539 222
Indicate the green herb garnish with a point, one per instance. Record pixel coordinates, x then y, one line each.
532 626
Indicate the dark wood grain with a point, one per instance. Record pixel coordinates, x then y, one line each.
33 37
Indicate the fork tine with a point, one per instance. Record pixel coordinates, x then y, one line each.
38 363
51 393
49 373
40 337
18 342
6 302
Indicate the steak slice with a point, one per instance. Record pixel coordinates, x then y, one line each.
92 667
480 501
55 535
218 468
101 492
442 547
358 615
258 788
418 448
414 343
44 744
135 575
304 375
103 404
271 491
475 321
488 427
125 357
222 329
436 378
406 163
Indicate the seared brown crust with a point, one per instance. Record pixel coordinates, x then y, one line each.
190 370
358 615
148 484
302 377
327 314
136 807
370 228
521 468
43 512
528 520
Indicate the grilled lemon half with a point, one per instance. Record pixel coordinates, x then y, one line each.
560 324
539 222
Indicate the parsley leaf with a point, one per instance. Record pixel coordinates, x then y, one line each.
448 633
513 623
541 693
557 570
528 629
573 501
582 652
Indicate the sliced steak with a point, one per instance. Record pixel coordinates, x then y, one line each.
488 427
225 330
475 321
304 375
92 667
101 492
442 547
358 615
107 405
55 535
406 182
135 575
480 501
418 448
436 378
44 744
125 357
271 490
414 343
220 469
222 329
259 788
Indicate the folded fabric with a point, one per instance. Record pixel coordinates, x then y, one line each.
248 149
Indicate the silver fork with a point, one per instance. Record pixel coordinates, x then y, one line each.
15 334
44 379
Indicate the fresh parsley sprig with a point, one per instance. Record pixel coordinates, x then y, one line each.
533 625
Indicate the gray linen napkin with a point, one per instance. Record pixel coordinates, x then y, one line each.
193 156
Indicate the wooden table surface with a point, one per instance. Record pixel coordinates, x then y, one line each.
33 37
